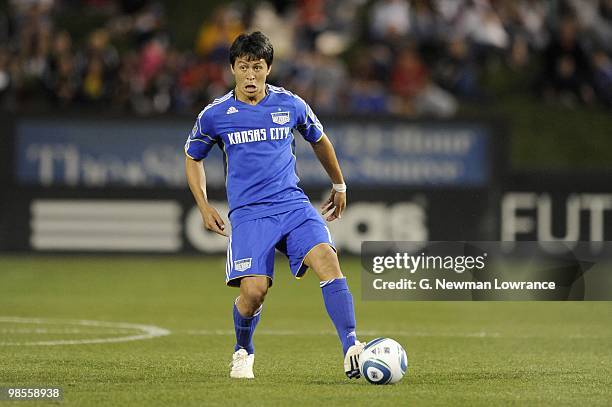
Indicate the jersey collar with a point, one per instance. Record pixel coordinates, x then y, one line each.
258 103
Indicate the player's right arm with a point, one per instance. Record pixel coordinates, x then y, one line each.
196 178
198 144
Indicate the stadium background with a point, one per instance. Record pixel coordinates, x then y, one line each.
480 120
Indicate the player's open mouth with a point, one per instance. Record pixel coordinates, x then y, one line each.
250 88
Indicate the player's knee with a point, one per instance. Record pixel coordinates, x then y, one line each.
253 295
325 263
257 294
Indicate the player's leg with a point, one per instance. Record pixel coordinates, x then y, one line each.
322 259
250 265
309 245
247 310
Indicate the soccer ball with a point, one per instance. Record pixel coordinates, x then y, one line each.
383 361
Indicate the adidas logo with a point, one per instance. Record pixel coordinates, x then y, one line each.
231 110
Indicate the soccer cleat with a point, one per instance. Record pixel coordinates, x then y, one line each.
242 365
351 360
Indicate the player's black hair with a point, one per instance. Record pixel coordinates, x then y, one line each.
253 46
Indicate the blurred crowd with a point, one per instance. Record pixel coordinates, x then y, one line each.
409 57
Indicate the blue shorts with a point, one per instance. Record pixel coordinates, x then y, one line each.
251 246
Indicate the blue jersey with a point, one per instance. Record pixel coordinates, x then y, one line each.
258 148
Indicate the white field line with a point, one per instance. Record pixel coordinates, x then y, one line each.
66 331
221 332
149 331
385 333
144 331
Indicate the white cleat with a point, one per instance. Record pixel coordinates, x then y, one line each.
351 360
242 365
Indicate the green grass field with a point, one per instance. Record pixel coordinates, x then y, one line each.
460 353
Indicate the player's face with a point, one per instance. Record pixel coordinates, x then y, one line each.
250 76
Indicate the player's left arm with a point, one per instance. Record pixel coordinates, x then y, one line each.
336 203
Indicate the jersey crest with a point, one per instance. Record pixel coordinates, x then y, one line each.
281 117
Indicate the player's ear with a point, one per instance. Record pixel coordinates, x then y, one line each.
232 68
269 69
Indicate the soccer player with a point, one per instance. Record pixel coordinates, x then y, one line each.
253 125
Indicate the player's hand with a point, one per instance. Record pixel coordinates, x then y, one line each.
212 220
334 206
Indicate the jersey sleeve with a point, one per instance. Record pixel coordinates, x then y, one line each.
201 139
307 123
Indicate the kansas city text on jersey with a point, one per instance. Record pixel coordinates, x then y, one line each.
249 136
